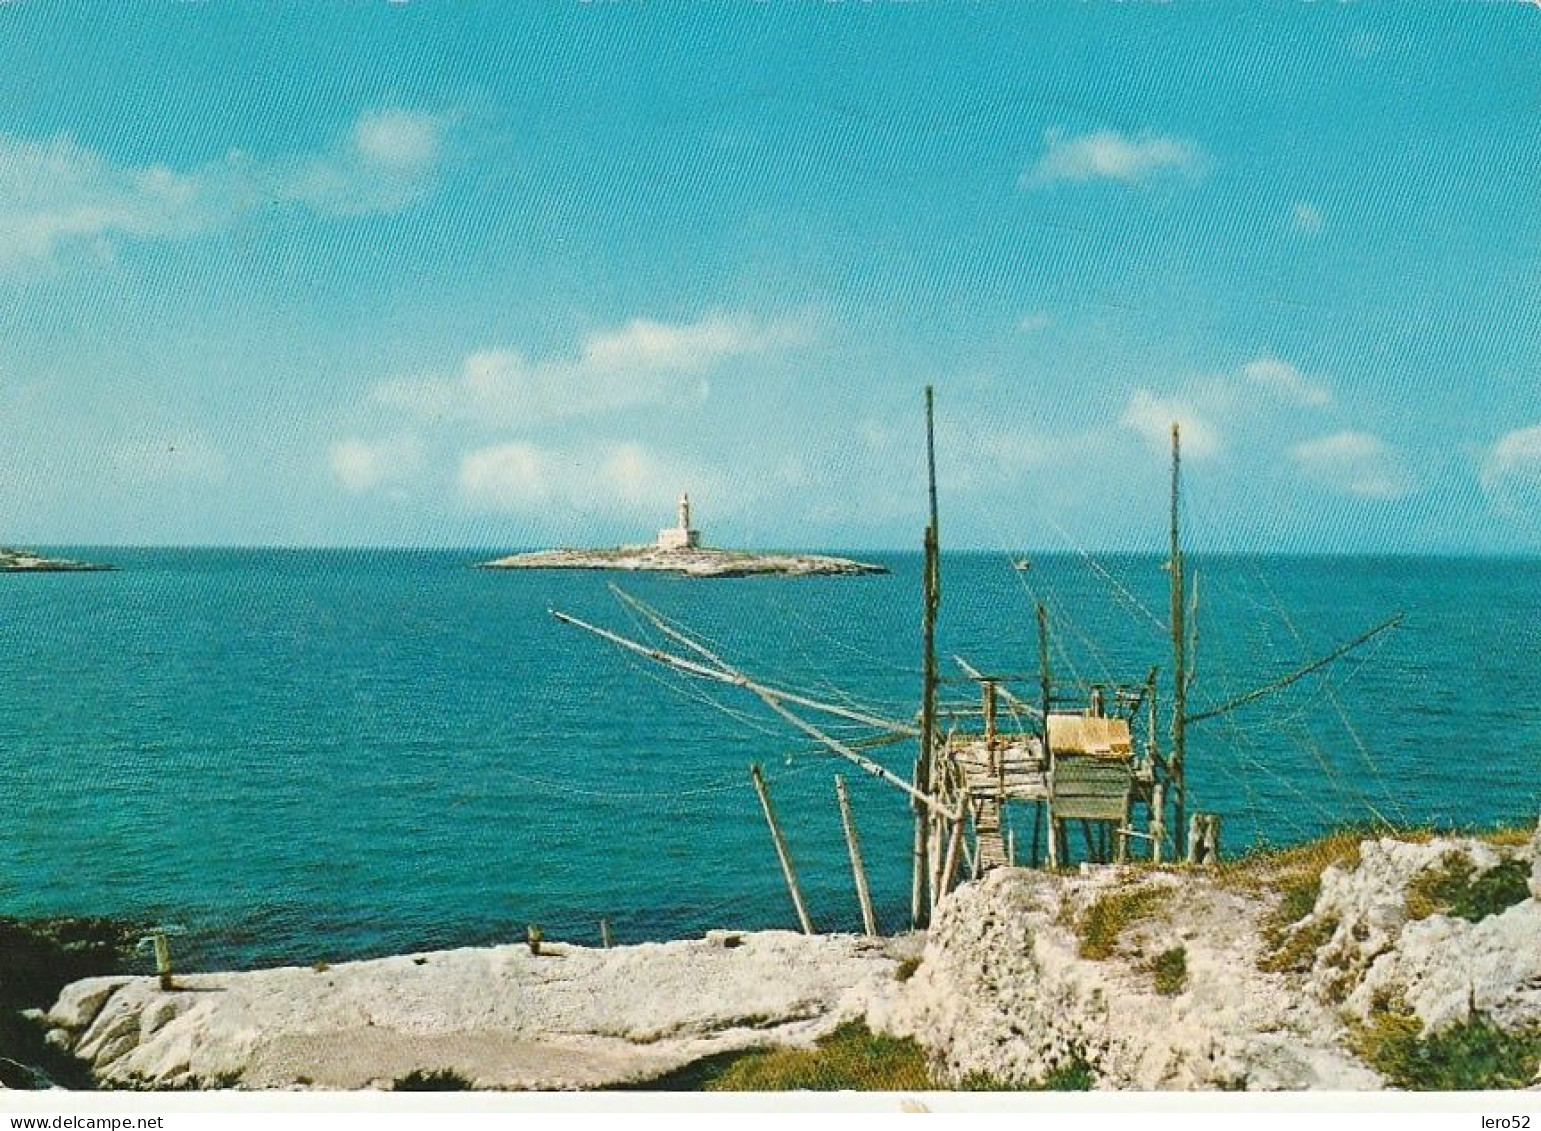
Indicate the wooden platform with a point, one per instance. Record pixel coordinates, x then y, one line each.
1094 776
1013 771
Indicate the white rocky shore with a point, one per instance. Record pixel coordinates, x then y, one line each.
1270 995
501 1017
698 561
25 561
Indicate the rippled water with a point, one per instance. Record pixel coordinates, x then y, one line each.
307 755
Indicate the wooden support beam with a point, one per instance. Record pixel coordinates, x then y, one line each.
1016 702
931 599
736 677
787 871
869 920
1178 765
774 698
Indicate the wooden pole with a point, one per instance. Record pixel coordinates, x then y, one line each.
1044 693
787 870
987 687
605 937
932 599
1157 821
869 919
1179 651
163 959
918 854
954 844
1038 808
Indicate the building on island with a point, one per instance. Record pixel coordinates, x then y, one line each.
680 537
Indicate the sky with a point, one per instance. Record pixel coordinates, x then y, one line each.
476 274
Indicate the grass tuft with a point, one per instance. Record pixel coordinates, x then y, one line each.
852 1058
1112 914
1454 888
1170 970
1073 1075
1474 1055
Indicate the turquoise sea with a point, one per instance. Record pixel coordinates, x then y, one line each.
298 756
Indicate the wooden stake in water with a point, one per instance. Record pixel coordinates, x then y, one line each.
869 920
787 870
163 959
604 933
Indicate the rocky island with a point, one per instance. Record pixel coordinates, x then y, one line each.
25 561
679 550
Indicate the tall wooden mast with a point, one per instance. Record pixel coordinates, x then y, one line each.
1179 655
925 768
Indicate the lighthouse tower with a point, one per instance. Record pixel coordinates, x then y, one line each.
681 537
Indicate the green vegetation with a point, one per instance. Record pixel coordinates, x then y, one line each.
220 1082
1171 971
1112 914
852 1058
1475 1055
1073 1075
1294 949
906 968
439 1080
1454 888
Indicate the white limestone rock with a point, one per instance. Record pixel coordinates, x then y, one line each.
1364 907
1003 993
500 1017
1448 970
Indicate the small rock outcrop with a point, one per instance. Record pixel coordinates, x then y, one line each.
25 561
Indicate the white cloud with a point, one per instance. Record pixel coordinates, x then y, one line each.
1113 156
58 195
623 478
1306 217
362 465
507 477
1287 382
387 163
398 139
641 362
1152 417
1511 470
1354 463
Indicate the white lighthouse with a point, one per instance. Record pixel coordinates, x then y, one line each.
681 537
